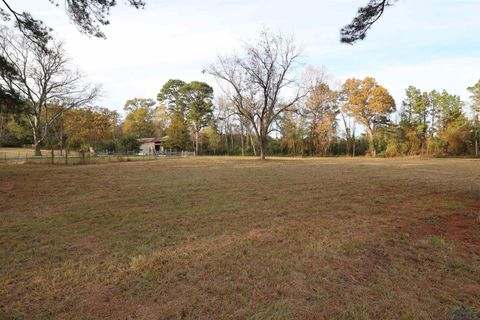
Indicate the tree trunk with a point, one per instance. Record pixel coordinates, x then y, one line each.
348 142
38 148
347 135
311 139
353 139
196 143
36 139
226 139
253 145
477 135
231 140
371 142
262 152
353 145
476 147
263 147
241 138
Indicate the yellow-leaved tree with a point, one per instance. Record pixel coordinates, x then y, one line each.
369 103
144 119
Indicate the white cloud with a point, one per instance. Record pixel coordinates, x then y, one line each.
429 43
453 74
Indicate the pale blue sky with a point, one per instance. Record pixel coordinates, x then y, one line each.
432 44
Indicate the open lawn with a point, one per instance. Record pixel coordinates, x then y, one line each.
232 238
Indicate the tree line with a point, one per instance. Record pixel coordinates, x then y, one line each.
265 106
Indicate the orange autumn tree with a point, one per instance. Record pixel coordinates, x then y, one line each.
88 127
369 103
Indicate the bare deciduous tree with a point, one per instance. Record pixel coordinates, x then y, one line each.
320 107
257 82
44 80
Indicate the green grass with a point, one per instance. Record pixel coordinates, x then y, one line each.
233 238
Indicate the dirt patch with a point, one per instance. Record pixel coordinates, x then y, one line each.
89 245
258 234
460 228
105 302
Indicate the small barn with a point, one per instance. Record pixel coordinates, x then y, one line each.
152 145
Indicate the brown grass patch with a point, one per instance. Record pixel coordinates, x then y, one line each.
233 238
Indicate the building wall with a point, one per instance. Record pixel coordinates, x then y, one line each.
147 147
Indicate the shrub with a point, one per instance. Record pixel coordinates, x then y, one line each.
128 143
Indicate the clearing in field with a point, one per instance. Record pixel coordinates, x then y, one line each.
227 238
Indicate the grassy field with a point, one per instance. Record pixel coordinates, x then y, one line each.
231 238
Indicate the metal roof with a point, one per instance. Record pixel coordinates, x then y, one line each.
152 140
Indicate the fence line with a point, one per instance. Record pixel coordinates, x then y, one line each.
66 158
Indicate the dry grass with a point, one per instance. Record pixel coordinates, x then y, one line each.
231 238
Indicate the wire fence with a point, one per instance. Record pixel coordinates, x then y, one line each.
75 158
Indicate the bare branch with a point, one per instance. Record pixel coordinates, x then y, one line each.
259 81
44 80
